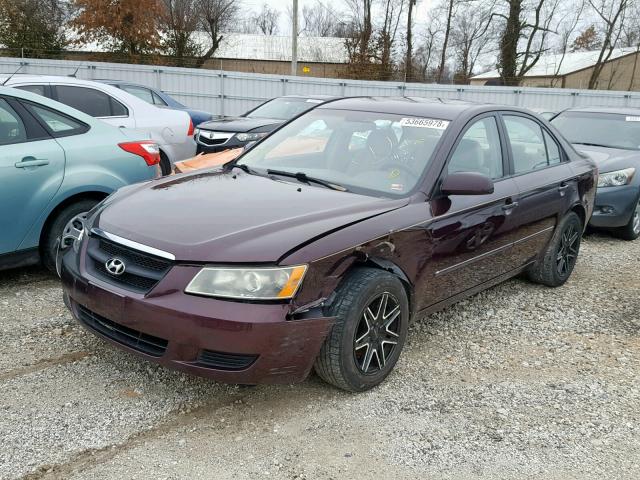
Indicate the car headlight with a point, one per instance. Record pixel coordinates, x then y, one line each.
272 283
617 178
196 132
250 137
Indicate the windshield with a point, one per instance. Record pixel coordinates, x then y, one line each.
366 152
284 108
604 129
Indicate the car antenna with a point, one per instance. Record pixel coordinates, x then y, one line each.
11 76
76 70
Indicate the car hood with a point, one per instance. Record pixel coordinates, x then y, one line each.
611 159
240 124
220 217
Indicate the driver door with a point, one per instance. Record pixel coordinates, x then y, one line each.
472 235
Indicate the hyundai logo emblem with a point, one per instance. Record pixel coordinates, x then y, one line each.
115 266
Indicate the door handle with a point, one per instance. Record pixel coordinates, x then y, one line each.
509 206
563 188
27 162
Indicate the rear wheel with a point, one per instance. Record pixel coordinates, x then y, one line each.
561 254
67 223
165 163
631 230
372 315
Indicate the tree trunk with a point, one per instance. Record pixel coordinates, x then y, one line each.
509 44
447 31
408 64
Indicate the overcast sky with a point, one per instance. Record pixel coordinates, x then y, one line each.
420 12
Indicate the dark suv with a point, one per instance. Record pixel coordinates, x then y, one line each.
317 247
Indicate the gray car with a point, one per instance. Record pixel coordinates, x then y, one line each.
611 137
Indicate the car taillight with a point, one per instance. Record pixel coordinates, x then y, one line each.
191 129
147 150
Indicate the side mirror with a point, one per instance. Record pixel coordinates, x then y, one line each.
466 183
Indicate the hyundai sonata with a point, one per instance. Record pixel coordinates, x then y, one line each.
287 259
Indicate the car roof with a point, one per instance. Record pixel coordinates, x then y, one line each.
311 96
446 109
616 110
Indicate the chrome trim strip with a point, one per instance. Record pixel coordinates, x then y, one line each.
132 244
524 239
473 259
491 252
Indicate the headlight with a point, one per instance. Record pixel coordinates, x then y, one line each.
248 283
617 178
196 132
250 137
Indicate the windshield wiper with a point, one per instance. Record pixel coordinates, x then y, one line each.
593 144
304 178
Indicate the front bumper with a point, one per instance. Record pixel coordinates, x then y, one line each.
249 343
614 206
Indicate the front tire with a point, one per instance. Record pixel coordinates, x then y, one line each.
631 230
372 316
65 219
555 268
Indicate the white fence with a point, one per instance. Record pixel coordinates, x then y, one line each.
231 93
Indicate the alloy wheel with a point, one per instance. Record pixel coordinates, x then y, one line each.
377 333
636 220
568 251
72 230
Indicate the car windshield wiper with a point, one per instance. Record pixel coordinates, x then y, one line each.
593 144
304 178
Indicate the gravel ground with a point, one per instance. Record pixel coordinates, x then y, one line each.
520 381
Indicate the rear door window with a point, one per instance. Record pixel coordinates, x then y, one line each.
140 92
528 146
37 89
90 101
157 100
12 128
58 123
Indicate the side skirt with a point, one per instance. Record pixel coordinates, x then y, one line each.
18 259
472 291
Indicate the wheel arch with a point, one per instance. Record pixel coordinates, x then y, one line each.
391 267
71 199
581 211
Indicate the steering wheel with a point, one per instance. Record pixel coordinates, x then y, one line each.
398 166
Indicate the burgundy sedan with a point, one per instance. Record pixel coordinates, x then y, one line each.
316 248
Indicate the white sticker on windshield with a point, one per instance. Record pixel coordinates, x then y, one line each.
424 123
633 119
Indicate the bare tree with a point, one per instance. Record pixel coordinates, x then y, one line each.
266 20
321 20
572 15
216 17
427 52
471 36
386 36
631 37
612 14
530 22
360 31
178 22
